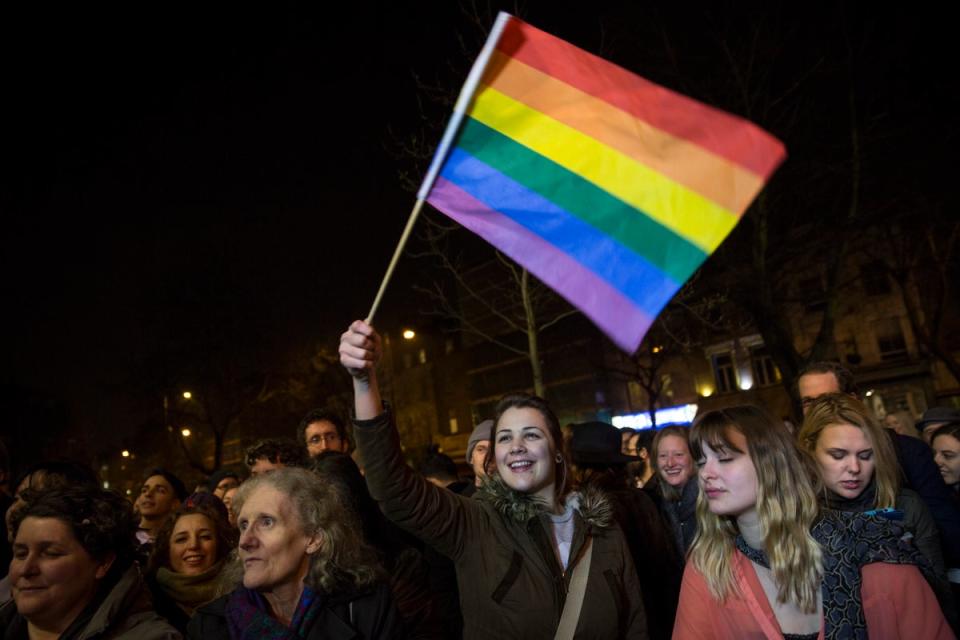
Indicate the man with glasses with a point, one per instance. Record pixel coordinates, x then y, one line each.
323 430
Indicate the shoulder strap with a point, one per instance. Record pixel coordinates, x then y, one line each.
578 588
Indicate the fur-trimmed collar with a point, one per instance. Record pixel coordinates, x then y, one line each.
594 506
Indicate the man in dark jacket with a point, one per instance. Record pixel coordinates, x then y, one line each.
595 449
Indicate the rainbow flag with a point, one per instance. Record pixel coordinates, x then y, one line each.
609 188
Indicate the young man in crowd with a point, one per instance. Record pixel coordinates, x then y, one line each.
221 481
477 447
323 430
160 493
273 453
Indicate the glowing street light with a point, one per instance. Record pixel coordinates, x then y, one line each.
409 334
125 453
185 432
187 395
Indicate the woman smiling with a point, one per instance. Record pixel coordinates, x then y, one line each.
191 551
533 559
73 571
676 488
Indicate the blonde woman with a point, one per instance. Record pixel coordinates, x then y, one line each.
767 564
676 488
858 469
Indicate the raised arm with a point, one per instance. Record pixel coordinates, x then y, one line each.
439 517
360 351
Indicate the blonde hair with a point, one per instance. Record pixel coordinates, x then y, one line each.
786 507
840 409
666 489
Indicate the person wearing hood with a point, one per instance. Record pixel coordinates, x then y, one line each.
534 559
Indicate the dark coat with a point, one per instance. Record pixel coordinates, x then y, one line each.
680 515
658 563
126 613
511 584
365 615
922 475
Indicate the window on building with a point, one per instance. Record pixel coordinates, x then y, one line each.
890 339
422 356
725 373
453 426
666 385
874 277
765 372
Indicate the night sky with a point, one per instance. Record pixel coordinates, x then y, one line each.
186 169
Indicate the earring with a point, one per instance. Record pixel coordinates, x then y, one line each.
559 458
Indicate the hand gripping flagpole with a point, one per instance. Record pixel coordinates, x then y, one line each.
459 112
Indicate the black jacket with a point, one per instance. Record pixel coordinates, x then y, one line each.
922 476
659 565
365 615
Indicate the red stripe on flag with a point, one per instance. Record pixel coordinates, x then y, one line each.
725 135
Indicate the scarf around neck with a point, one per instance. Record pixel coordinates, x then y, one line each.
849 540
866 501
248 616
190 591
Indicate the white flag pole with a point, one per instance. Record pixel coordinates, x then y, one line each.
459 112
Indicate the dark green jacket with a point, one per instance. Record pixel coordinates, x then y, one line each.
511 583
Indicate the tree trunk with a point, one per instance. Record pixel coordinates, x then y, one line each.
218 438
930 339
652 409
536 367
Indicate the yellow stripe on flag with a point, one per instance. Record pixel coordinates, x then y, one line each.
682 210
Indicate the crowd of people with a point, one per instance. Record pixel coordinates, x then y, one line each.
740 526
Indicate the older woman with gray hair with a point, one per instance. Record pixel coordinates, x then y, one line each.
306 571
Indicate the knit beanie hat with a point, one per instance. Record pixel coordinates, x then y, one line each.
481 432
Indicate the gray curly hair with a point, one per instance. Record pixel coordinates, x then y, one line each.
344 560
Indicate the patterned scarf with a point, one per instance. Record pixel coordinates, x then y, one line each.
248 617
849 541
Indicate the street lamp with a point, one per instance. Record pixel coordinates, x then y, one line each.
187 395
409 334
185 432
125 453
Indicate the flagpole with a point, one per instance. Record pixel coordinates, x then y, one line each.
396 257
459 112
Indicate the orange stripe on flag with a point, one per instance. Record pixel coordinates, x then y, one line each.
729 136
712 176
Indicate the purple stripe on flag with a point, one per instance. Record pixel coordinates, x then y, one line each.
616 315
